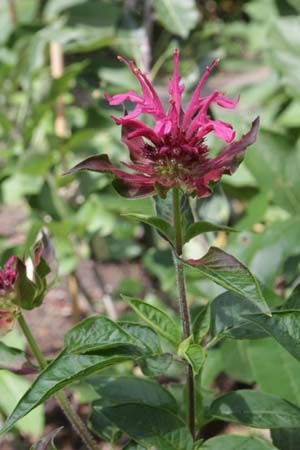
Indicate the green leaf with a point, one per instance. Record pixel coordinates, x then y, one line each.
204 227
133 446
159 224
156 365
62 371
12 388
195 355
100 425
151 426
201 323
145 335
286 439
47 442
176 16
283 326
156 319
237 443
228 272
256 409
12 358
236 362
130 389
227 319
97 333
25 288
265 357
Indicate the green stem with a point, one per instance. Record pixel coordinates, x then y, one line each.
72 416
183 305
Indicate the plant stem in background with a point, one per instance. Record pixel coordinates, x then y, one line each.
183 305
60 396
13 11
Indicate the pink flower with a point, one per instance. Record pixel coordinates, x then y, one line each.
173 151
8 310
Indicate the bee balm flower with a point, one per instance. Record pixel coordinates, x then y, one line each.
8 310
173 152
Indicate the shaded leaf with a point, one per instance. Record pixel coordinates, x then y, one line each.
156 319
283 326
237 443
47 442
62 371
225 270
176 16
227 319
151 426
201 323
204 227
256 409
159 224
286 439
97 333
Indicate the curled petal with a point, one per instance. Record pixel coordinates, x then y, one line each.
127 184
231 156
223 130
226 102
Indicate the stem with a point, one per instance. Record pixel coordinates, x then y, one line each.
72 416
183 305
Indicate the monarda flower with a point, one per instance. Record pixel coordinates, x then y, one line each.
173 152
8 309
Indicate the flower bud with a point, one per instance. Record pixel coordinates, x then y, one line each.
8 309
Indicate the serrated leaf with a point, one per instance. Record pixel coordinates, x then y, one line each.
151 426
237 443
162 226
256 409
203 226
225 270
156 365
97 333
62 371
156 319
146 336
283 326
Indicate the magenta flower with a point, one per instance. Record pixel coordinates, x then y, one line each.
8 310
173 151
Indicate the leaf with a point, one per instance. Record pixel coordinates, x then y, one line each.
195 355
237 443
12 388
47 442
100 425
145 335
156 319
130 389
151 426
159 224
176 16
156 365
13 359
236 362
201 323
97 333
286 439
62 371
204 227
283 326
225 270
227 319
256 409
164 208
133 446
278 169
265 357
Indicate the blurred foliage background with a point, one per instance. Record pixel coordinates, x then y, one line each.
58 57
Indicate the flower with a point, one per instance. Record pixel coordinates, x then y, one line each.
173 152
8 310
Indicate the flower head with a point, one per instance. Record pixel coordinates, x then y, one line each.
8 310
172 152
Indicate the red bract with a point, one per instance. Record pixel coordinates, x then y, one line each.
8 276
8 310
172 152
